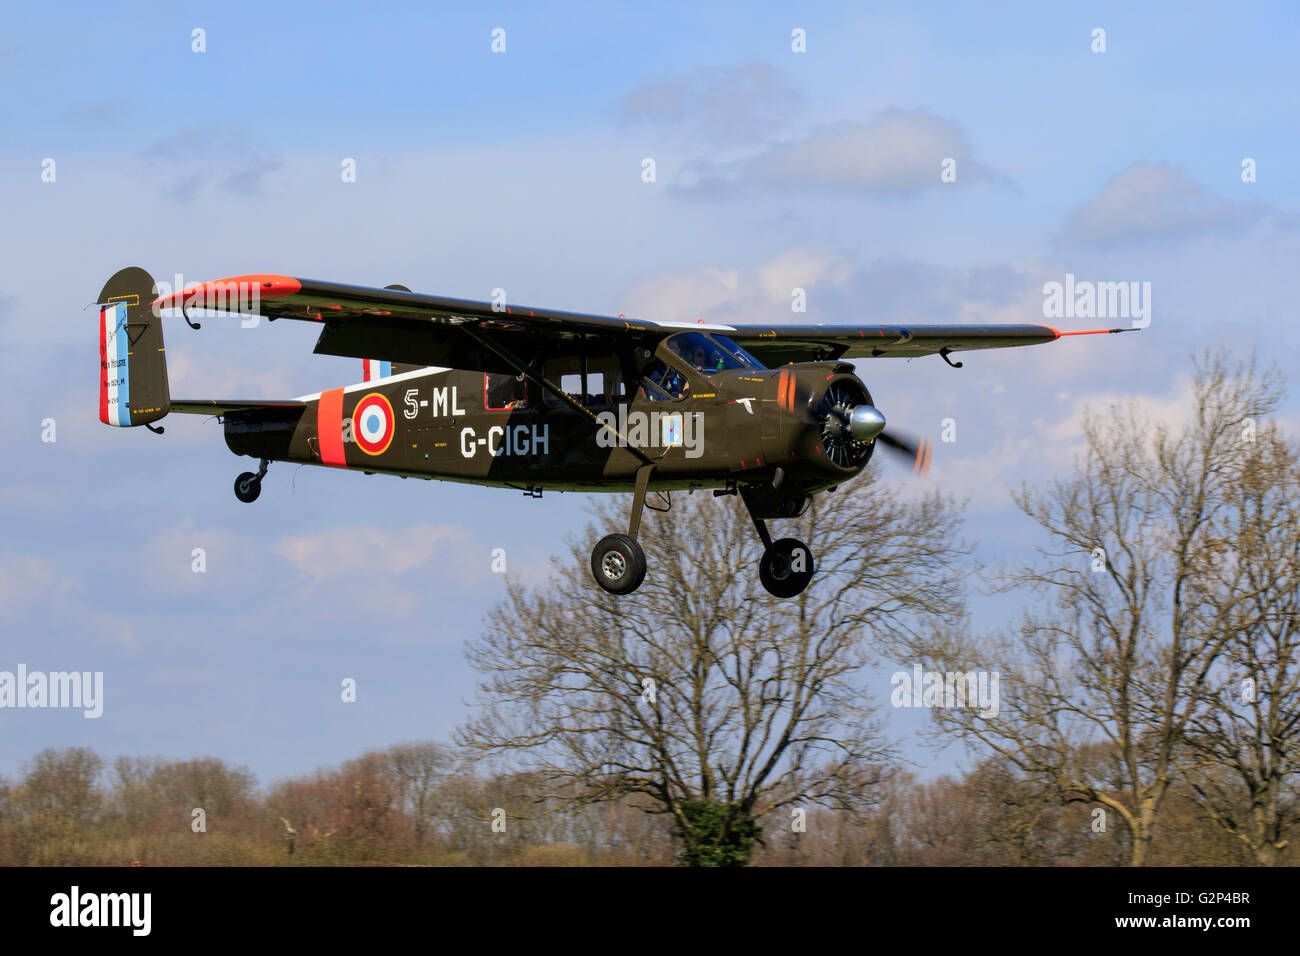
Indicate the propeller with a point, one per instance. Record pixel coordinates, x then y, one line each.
849 425
917 450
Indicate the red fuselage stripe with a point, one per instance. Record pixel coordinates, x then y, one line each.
329 427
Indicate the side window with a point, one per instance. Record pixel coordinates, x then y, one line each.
566 373
605 381
572 385
502 393
592 380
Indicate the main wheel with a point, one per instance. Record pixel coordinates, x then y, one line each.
247 487
786 568
618 564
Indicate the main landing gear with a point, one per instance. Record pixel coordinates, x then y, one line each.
785 569
248 485
617 561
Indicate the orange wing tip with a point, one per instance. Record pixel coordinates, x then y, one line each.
243 288
1096 331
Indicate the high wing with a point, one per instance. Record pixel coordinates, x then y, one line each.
394 324
777 345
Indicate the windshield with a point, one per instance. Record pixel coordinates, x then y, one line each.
736 350
702 353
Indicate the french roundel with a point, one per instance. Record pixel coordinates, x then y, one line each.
372 424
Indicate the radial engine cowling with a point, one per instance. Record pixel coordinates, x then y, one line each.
849 422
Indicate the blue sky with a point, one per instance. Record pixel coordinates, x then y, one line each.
521 170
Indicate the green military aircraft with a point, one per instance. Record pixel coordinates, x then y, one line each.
537 399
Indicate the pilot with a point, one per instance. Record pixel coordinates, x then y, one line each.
694 352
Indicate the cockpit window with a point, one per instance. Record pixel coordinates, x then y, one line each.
702 353
661 382
738 352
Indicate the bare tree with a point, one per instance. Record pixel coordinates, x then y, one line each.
419 769
715 702
1140 611
56 805
61 786
1246 748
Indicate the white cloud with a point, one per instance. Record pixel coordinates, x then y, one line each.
686 295
897 153
1156 201
25 580
209 376
39 600
1173 411
339 551
800 267
716 104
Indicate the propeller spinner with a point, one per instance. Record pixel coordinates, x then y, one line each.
850 424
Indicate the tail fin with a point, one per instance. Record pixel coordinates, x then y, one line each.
132 359
374 369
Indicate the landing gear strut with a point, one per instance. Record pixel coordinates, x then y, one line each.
786 567
617 561
248 485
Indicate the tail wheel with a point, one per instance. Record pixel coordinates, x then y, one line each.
786 567
618 564
247 487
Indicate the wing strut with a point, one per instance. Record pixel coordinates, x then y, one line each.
527 371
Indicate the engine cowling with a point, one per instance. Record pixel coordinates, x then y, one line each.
849 422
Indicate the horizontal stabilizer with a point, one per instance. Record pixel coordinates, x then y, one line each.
224 406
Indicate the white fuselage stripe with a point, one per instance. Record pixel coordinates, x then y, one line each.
376 382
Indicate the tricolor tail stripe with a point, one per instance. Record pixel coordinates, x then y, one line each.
374 368
115 366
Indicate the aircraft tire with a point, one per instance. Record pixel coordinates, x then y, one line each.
618 564
779 569
247 487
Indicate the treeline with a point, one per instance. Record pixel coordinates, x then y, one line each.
410 805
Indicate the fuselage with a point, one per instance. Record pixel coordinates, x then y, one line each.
728 426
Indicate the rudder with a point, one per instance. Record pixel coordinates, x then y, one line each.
132 359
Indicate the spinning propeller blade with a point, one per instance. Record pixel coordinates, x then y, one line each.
917 451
